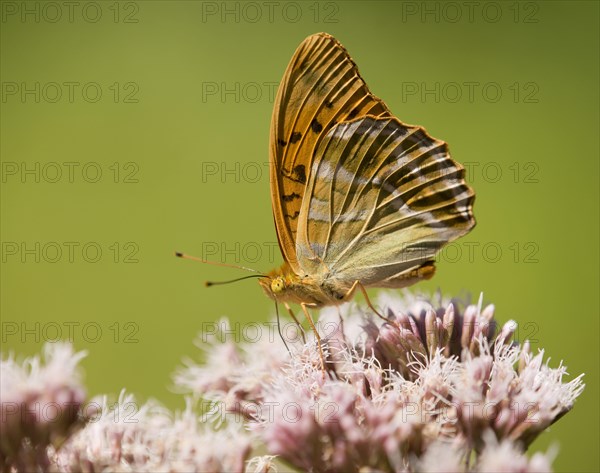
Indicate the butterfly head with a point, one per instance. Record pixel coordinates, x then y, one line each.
277 285
280 284
273 285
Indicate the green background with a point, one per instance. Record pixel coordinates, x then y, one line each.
542 58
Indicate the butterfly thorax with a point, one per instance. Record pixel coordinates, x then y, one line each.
284 285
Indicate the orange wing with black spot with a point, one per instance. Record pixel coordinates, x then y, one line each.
320 88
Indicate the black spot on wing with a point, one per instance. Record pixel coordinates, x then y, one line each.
295 137
293 217
281 143
353 113
299 173
316 126
290 197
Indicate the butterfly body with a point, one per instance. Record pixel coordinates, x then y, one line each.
284 285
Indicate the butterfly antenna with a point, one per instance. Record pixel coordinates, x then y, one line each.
200 260
216 283
213 283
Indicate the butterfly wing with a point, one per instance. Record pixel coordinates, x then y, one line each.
321 87
383 197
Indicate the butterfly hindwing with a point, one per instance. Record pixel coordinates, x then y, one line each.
383 197
321 88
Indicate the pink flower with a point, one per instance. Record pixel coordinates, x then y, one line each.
435 388
40 405
398 393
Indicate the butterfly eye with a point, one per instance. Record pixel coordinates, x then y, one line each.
277 285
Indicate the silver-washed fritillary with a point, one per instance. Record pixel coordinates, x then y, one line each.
359 198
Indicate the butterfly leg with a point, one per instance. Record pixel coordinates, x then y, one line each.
279 329
357 284
304 306
302 334
340 318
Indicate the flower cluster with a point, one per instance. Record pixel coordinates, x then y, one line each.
40 406
431 381
127 437
437 386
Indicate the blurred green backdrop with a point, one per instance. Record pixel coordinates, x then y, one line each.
133 129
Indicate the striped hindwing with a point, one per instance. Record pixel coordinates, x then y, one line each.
321 87
382 199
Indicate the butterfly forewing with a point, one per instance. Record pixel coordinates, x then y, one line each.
382 198
321 87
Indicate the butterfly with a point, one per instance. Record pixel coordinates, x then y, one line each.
359 198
